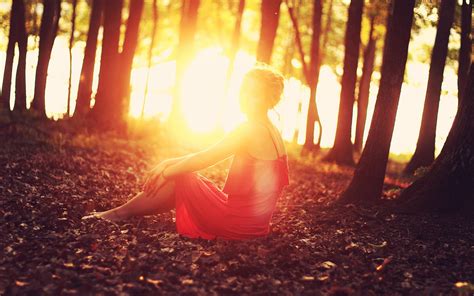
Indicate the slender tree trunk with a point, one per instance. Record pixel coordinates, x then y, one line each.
367 183
84 92
327 29
7 73
71 44
20 82
48 31
311 74
364 87
465 49
150 53
185 53
425 148
341 152
128 53
235 43
449 184
107 106
268 28
35 25
314 68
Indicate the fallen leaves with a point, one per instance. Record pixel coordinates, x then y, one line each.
48 249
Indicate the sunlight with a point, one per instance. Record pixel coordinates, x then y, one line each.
206 105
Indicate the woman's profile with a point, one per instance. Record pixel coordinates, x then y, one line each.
259 171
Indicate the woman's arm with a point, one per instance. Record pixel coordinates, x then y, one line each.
200 160
210 156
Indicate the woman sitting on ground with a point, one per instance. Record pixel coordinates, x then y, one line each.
259 172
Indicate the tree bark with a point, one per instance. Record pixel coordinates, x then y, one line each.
364 87
465 49
20 80
235 43
449 184
71 44
107 107
150 53
311 73
7 73
48 31
425 147
341 152
185 54
327 29
269 24
367 183
128 53
84 92
313 79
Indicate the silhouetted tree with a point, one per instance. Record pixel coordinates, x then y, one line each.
184 55
425 147
449 184
325 33
235 42
128 53
107 108
341 152
364 86
48 30
367 183
311 73
268 28
71 44
17 35
150 52
466 43
84 92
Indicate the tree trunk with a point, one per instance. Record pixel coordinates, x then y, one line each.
425 147
327 29
269 24
341 152
449 184
367 183
185 54
364 87
84 92
465 49
235 43
128 53
107 107
150 53
48 31
313 79
7 73
71 44
20 82
311 74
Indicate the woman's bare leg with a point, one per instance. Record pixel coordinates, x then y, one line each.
144 203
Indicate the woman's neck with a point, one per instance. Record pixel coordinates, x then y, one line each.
261 117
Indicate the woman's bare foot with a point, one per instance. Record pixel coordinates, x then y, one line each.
111 215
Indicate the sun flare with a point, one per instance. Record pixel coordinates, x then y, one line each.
207 105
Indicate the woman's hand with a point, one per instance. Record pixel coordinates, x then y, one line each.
154 176
154 187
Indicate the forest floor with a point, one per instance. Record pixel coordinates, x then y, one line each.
49 181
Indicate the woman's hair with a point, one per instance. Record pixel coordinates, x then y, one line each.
270 83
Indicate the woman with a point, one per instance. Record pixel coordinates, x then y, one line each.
258 174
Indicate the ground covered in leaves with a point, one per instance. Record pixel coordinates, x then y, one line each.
49 180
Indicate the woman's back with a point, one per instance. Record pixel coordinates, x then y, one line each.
265 141
261 166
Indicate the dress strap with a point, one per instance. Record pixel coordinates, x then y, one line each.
271 137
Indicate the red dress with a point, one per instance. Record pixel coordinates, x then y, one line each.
242 210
